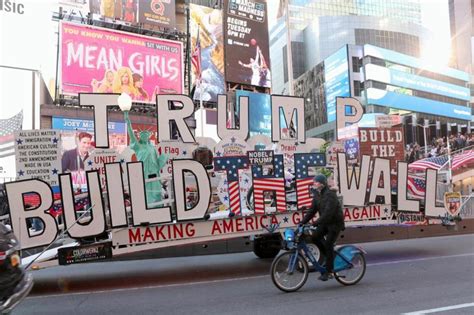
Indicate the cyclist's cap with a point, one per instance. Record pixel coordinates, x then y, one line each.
321 179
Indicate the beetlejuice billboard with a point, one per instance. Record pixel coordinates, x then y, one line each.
175 214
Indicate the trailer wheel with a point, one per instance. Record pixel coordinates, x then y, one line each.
267 246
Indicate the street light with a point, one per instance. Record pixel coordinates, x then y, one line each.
124 102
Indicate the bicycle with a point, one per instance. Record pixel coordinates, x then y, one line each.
289 270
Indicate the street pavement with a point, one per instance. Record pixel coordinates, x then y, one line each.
402 277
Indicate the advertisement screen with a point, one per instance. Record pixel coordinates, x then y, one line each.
124 10
162 13
247 52
336 76
208 44
417 104
415 82
260 112
104 61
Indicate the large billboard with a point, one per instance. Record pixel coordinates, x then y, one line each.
246 33
157 12
208 43
336 76
104 61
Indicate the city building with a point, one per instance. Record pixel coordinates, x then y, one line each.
319 28
461 18
386 82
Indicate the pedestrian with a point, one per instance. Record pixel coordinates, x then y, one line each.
329 224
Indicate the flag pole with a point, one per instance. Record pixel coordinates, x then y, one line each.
201 107
450 170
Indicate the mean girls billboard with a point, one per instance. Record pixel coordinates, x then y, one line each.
97 60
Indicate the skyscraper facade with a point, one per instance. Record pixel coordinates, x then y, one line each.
319 28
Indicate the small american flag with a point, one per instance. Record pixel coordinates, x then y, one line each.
274 182
303 161
232 165
7 137
416 187
196 58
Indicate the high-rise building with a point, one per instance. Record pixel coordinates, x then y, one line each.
434 98
461 18
320 27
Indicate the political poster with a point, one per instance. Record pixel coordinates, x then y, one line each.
207 52
246 38
104 61
37 155
387 143
157 12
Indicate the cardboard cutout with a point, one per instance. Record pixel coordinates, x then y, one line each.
166 115
243 130
381 171
291 106
342 117
403 203
354 191
430 196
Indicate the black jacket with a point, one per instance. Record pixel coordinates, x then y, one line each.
329 209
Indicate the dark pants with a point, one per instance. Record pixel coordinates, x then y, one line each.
324 238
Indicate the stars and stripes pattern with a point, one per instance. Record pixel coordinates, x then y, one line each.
434 163
33 200
196 58
303 181
7 134
462 159
416 187
273 182
457 160
231 165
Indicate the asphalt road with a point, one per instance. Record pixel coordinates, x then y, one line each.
435 275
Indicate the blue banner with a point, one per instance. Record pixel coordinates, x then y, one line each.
417 104
84 125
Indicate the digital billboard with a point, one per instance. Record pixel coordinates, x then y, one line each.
246 49
260 112
415 82
105 61
417 104
162 12
208 41
336 76
410 61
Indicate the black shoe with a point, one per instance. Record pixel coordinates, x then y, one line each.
324 277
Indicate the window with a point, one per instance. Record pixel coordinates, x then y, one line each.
356 64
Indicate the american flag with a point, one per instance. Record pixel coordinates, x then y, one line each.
7 136
457 160
303 181
434 163
416 187
232 164
462 158
273 182
196 57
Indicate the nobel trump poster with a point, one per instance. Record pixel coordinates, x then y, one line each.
246 50
104 61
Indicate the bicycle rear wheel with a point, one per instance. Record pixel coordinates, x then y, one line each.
354 273
285 279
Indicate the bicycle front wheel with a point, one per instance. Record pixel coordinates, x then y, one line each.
353 274
286 279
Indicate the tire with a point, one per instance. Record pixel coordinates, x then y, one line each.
267 246
285 281
354 274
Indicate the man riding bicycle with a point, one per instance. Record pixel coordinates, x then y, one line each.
330 222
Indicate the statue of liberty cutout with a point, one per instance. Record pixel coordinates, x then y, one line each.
153 162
